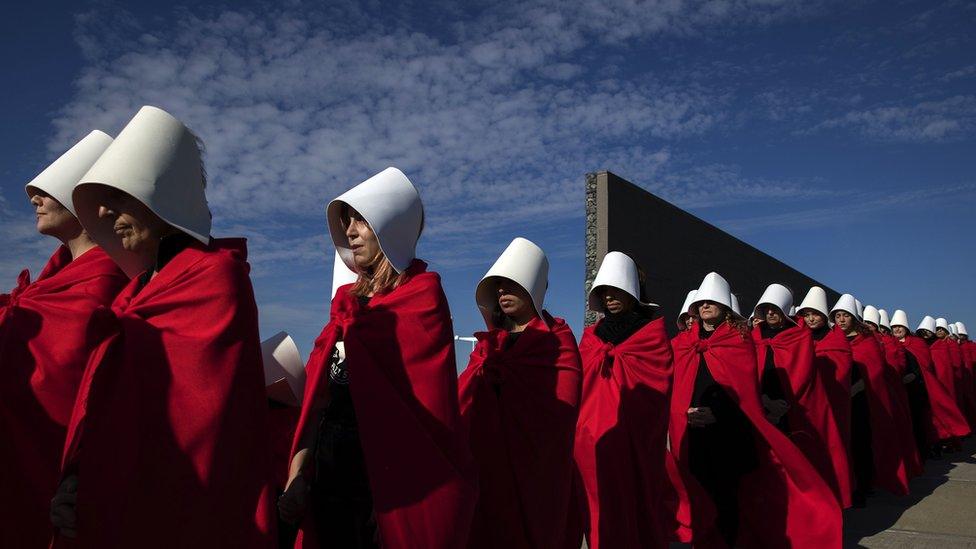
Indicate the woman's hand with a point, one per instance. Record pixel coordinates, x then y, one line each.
908 378
700 417
857 387
775 408
63 516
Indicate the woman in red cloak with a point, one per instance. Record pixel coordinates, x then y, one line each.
876 436
622 431
520 399
832 359
792 392
729 457
380 455
44 346
949 366
935 415
166 445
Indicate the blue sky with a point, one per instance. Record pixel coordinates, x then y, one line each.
839 137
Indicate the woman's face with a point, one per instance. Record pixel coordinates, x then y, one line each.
814 319
53 219
137 225
925 334
709 311
845 320
900 332
941 333
773 316
872 326
362 240
616 300
513 300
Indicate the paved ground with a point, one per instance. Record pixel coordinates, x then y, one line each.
939 513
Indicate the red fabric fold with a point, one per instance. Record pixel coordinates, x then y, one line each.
965 392
947 421
621 437
813 427
44 346
889 432
784 502
895 364
521 406
402 377
833 361
168 434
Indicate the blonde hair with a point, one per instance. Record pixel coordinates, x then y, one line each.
378 278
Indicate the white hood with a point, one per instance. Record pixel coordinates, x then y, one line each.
713 288
689 299
617 270
59 179
846 303
883 319
155 160
522 262
961 328
872 315
900 318
391 205
779 296
927 323
815 299
735 306
284 371
942 323
341 275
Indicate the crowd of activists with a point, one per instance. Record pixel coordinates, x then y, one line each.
139 407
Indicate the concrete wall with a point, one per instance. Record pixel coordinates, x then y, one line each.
675 249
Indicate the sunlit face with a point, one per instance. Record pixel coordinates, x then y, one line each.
137 225
689 321
513 300
845 320
710 311
814 319
616 300
53 219
900 332
773 316
365 246
941 333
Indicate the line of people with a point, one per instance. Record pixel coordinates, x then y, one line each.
138 406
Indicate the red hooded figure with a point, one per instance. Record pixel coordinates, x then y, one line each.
896 363
729 456
947 422
380 440
167 444
621 434
44 346
520 399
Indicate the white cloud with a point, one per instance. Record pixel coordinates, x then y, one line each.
928 121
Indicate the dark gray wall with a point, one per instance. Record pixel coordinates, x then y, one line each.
676 249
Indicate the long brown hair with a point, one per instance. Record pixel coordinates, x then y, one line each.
735 323
379 276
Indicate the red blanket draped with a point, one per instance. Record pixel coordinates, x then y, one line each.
813 427
281 422
947 421
621 434
942 360
783 503
44 346
833 361
895 362
888 430
521 406
403 381
168 435
965 392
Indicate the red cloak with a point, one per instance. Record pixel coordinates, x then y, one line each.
947 421
784 502
403 382
888 430
281 421
621 436
895 362
942 360
833 360
813 427
168 434
44 346
521 406
964 382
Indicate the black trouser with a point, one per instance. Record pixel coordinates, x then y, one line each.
724 491
342 504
